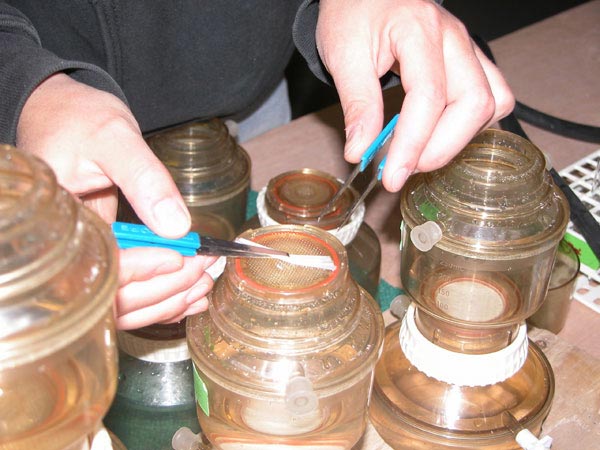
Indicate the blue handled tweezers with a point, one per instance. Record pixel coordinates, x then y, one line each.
131 235
365 160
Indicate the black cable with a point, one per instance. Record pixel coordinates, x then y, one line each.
539 119
581 132
581 217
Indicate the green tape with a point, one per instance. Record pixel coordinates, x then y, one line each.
251 204
429 211
201 392
586 255
386 293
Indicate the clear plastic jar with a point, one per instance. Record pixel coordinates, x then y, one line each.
284 355
412 410
211 171
479 238
155 393
58 279
299 196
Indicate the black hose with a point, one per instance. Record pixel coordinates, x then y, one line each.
581 217
539 119
556 125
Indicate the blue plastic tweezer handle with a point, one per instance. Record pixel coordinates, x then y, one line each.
378 143
130 235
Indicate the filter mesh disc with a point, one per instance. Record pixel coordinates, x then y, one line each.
280 275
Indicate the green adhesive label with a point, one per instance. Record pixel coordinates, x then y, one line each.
586 254
429 211
201 392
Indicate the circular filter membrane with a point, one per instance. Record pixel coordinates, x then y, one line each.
279 275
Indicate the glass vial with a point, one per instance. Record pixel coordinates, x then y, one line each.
58 279
284 356
299 196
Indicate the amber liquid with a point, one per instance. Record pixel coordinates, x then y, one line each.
413 411
52 403
237 421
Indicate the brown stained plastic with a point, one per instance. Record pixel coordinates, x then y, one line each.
553 313
413 411
479 239
211 171
299 196
284 355
58 279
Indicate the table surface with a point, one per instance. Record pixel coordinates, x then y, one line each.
553 66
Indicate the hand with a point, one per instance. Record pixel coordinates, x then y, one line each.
452 90
93 143
160 286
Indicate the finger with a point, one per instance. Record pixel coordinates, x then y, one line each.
357 83
470 106
423 78
103 203
504 98
148 186
169 310
143 263
196 308
139 294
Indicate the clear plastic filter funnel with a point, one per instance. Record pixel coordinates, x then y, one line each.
284 356
479 238
299 197
58 278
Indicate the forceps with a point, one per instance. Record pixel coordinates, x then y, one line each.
365 160
131 235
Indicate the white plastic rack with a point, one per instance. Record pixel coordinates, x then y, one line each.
580 177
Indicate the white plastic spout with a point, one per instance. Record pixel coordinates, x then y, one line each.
528 441
186 439
426 235
299 396
399 306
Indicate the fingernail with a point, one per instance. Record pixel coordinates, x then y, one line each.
172 218
399 178
353 135
197 308
197 293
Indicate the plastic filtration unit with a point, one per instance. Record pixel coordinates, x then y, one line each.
479 238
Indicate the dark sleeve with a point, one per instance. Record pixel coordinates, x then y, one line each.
24 64
304 30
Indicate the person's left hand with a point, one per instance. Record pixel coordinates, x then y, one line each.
452 90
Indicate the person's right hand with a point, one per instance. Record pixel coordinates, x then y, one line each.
94 145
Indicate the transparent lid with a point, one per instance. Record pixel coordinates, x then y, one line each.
204 159
495 200
299 196
58 262
270 322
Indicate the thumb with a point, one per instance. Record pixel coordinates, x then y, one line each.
149 188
